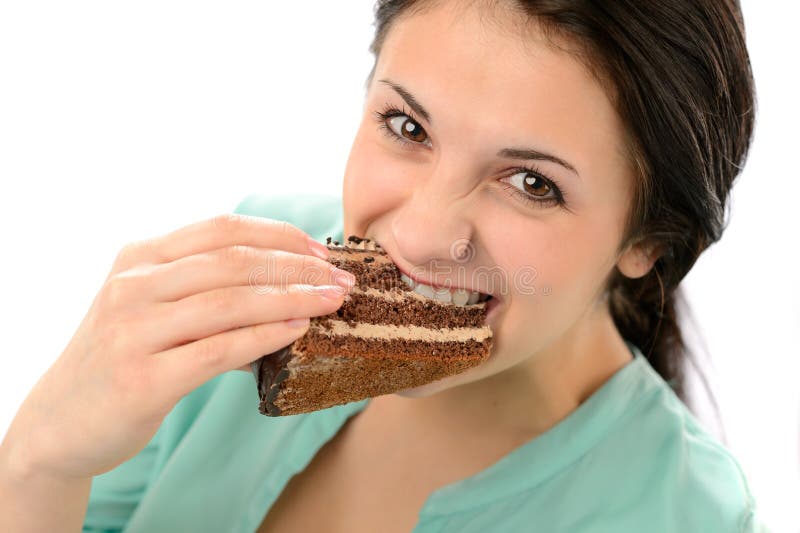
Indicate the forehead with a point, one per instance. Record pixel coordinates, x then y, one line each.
497 64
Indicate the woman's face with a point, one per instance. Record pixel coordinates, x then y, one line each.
503 149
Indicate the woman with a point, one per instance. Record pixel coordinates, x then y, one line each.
593 144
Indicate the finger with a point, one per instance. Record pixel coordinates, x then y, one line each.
182 369
210 313
218 232
240 265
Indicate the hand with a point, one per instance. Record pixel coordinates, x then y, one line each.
174 312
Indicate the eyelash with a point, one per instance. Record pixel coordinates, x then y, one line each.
559 198
390 111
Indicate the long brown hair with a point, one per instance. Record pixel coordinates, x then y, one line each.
679 75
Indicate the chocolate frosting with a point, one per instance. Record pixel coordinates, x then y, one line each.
270 371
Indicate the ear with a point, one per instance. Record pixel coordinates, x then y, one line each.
638 259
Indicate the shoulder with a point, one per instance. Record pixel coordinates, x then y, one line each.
683 474
710 478
319 215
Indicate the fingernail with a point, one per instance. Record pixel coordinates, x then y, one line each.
298 322
318 249
343 278
334 292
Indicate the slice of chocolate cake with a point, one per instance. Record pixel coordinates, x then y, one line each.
384 338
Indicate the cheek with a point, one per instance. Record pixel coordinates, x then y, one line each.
566 266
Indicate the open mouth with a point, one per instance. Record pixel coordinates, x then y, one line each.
456 296
459 296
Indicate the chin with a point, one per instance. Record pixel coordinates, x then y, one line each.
449 382
429 389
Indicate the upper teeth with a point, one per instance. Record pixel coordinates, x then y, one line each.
459 297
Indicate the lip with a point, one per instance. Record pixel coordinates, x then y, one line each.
424 281
492 307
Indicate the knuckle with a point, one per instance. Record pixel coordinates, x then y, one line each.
261 334
237 222
289 229
127 254
124 252
219 301
293 230
312 269
303 270
279 265
136 252
116 292
216 301
228 221
237 255
211 352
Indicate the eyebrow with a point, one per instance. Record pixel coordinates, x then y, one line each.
509 153
527 153
410 100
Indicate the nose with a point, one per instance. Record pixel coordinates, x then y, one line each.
434 224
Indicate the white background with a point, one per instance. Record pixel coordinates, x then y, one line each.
120 121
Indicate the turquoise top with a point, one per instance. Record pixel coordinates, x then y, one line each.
631 458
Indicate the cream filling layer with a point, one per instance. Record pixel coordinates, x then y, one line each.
416 333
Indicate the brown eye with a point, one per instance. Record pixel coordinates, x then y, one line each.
532 187
535 185
407 128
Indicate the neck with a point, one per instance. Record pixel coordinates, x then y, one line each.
520 402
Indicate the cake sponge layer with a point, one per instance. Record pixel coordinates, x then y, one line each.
396 307
312 382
